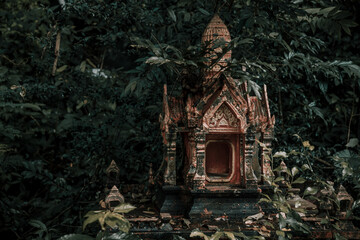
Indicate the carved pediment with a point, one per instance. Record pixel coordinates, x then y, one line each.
223 118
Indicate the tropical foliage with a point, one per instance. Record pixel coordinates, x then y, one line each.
81 84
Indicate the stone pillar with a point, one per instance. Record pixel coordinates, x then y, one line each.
192 160
251 180
170 157
267 173
199 178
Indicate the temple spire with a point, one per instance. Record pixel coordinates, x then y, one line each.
216 30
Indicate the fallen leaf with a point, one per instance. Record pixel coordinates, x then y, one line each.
187 222
148 212
222 218
213 227
249 222
255 216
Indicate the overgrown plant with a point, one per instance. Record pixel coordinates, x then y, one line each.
108 219
289 218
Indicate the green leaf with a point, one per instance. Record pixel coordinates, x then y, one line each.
280 155
280 233
311 191
172 14
61 69
76 237
346 24
83 66
114 219
337 235
157 60
32 106
278 179
342 154
294 171
305 167
264 200
121 236
204 11
177 237
313 10
326 11
91 217
319 113
216 236
197 233
254 87
230 235
38 224
130 87
324 221
65 124
299 180
323 86
124 208
102 218
353 142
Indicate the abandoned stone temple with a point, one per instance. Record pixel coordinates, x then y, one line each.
221 127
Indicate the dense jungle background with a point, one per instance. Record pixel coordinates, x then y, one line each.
81 84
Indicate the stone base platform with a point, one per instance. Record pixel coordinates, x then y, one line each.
232 203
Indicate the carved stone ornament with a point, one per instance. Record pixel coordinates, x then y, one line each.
112 173
113 168
283 173
223 117
114 198
344 198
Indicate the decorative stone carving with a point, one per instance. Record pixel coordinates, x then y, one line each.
215 32
114 198
112 173
170 158
344 199
251 180
223 117
283 173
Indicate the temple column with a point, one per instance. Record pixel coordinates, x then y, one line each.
192 160
266 139
170 157
251 179
199 178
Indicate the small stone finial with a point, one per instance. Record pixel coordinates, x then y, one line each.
112 173
114 198
344 199
112 168
283 173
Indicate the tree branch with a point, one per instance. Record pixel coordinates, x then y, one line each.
57 52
